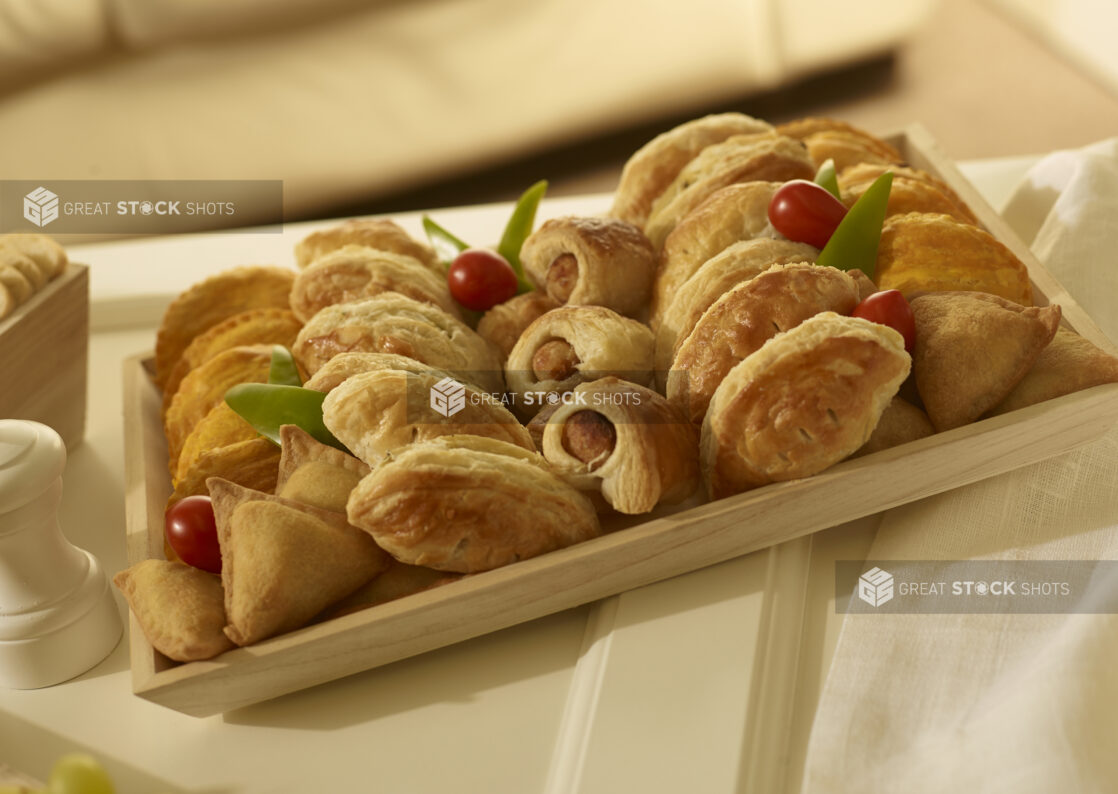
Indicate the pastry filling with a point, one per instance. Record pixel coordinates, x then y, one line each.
555 360
562 276
590 437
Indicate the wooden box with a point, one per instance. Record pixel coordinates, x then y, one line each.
44 347
659 546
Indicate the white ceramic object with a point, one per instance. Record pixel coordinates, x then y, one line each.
58 617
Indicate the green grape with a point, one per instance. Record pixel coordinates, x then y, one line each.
79 773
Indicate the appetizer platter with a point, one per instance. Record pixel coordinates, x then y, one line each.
399 444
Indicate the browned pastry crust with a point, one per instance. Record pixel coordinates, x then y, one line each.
504 323
640 452
354 272
807 399
591 261
46 253
734 213
220 427
650 170
397 581
743 158
345 365
379 233
817 125
466 504
900 422
747 316
314 473
912 190
1069 363
253 464
844 149
971 349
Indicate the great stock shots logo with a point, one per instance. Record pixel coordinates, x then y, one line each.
875 587
448 397
40 206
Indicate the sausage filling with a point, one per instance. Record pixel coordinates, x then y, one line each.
562 277
590 437
555 360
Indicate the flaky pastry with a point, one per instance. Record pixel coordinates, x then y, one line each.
504 323
382 234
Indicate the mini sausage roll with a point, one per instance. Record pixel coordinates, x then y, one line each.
653 167
466 504
355 272
912 190
394 323
747 316
806 400
573 344
591 261
742 158
625 441
379 233
409 407
502 325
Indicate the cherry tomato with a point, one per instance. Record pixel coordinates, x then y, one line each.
805 212
192 532
479 279
890 308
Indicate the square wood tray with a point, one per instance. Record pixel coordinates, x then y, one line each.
651 549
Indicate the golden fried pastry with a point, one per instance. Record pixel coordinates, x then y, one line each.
221 427
807 399
844 149
410 407
817 126
734 213
971 349
379 233
625 441
47 254
215 299
591 261
504 323
466 504
253 464
925 252
180 609
354 272
14 288
912 190
733 265
900 422
314 473
283 562
397 581
573 344
33 274
742 158
653 167
1069 363
205 386
747 316
394 323
253 327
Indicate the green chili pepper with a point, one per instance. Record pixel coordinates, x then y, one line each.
269 406
853 244
519 226
283 371
446 245
827 177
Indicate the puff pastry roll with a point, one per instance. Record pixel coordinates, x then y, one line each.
573 344
394 323
466 504
733 265
354 272
379 233
807 399
625 441
746 317
650 169
375 413
346 365
912 190
742 158
734 213
591 261
832 139
502 325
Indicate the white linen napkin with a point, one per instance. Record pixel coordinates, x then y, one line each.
997 702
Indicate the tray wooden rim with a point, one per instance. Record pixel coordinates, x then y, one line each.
655 549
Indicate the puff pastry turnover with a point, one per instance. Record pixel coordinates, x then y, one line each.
380 233
315 474
912 190
1069 363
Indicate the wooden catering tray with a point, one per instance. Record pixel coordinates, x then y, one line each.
645 550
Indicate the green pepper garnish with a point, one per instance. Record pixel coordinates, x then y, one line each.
827 177
283 371
446 245
853 244
269 406
519 226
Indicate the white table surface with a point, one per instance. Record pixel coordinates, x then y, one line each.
703 682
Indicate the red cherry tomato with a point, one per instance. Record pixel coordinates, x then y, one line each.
192 532
890 308
805 212
479 279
